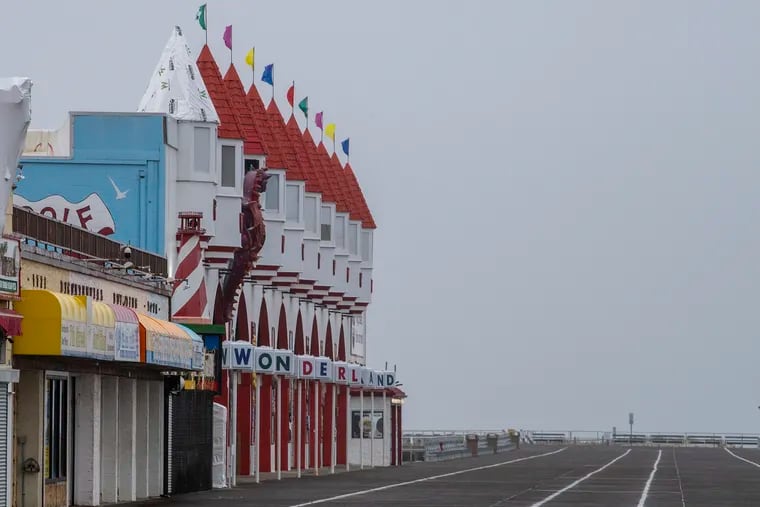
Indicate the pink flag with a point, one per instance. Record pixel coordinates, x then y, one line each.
318 120
228 36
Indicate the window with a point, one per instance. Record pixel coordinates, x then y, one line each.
228 166
201 147
292 203
251 164
353 239
310 214
366 245
56 428
272 194
340 232
326 223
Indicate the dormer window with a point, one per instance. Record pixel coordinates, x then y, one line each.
340 232
252 164
310 214
353 239
366 245
228 166
272 194
292 203
201 149
326 224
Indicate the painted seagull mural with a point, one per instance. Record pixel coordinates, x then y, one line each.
119 194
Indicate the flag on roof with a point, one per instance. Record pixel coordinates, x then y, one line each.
268 75
250 57
291 94
228 36
330 131
304 106
201 16
344 145
318 120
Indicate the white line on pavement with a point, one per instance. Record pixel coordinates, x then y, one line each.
743 459
645 493
574 484
424 479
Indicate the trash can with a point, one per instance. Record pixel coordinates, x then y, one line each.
514 437
472 444
492 441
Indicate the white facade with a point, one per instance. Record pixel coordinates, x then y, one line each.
373 449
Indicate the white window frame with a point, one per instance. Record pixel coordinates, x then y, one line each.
299 191
330 209
279 213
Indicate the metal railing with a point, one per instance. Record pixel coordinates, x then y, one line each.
641 438
66 239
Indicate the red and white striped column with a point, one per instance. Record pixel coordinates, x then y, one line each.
189 298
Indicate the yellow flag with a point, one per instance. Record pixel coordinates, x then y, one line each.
249 56
330 131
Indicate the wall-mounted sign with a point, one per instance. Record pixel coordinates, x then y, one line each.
10 261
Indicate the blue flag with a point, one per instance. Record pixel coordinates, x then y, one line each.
344 145
268 75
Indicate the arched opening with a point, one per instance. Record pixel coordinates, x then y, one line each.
242 328
262 337
341 446
341 345
285 408
219 306
314 342
282 329
329 349
328 414
300 346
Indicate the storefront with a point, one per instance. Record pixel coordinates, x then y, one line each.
93 375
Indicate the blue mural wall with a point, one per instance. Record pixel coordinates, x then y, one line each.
113 183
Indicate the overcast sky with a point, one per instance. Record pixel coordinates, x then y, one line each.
566 192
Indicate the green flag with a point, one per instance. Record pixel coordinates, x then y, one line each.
304 106
201 16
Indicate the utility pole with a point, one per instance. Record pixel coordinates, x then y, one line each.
630 423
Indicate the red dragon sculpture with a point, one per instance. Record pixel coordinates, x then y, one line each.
253 235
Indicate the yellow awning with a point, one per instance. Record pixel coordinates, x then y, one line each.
57 325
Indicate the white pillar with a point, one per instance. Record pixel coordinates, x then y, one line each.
87 440
142 442
257 429
109 438
278 446
234 375
155 438
299 425
127 439
372 429
361 429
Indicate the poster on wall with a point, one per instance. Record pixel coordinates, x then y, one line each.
10 261
371 424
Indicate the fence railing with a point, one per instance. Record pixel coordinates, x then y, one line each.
66 239
440 445
641 438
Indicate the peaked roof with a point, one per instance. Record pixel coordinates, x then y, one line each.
176 87
228 127
336 181
253 143
293 169
295 137
275 158
368 222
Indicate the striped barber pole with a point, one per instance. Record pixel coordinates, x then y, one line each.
189 299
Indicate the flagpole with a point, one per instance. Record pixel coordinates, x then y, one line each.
292 106
206 13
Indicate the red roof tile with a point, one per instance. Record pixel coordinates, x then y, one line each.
368 222
336 179
275 157
253 142
293 170
296 139
228 128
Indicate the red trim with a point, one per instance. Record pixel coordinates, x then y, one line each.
266 267
282 244
221 248
319 260
216 260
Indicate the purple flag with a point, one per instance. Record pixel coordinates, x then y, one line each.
228 36
318 120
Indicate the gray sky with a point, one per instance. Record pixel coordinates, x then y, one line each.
566 191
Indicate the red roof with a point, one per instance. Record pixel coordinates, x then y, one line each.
253 142
335 176
275 157
296 139
228 127
293 170
358 198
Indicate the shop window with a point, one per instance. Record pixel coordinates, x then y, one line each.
56 429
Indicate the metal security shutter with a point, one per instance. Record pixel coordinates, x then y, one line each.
3 443
192 441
